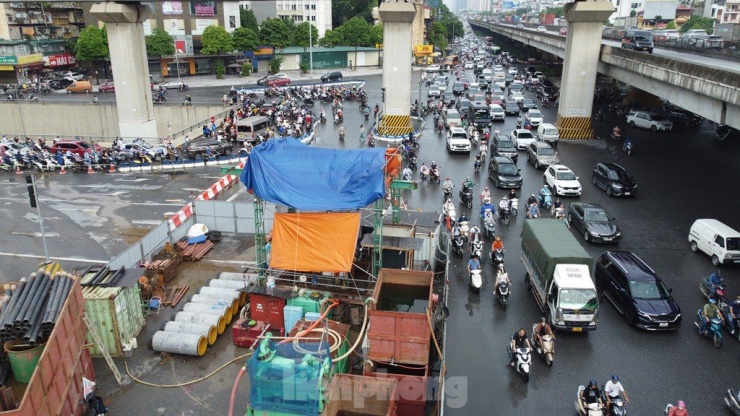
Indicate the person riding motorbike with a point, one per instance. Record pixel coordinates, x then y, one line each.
679 409
734 315
498 244
715 280
448 208
456 231
462 218
627 143
532 200
474 236
616 132
557 204
612 390
424 170
467 184
433 165
513 195
485 194
504 204
341 132
541 329
487 206
591 394
478 161
519 340
709 312
501 277
447 186
534 211
473 263
407 174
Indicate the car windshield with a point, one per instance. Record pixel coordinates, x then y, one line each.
525 135
733 243
546 151
505 144
583 300
616 175
648 289
453 114
528 101
535 114
566 176
596 216
482 113
507 169
458 85
84 145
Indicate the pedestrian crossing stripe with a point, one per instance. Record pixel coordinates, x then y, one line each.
395 126
575 128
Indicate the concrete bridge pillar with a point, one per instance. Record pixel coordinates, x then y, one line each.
582 47
397 18
124 23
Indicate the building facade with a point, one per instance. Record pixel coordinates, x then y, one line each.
41 20
732 12
318 12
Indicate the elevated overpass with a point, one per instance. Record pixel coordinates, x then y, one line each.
708 87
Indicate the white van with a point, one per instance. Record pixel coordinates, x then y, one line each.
719 241
547 132
488 75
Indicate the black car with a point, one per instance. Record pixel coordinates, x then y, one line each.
331 76
614 179
458 88
636 291
593 222
198 148
60 84
504 173
504 147
684 117
482 83
511 108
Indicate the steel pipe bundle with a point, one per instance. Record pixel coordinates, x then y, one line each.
218 321
208 331
178 343
207 290
63 283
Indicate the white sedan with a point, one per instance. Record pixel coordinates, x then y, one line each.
172 84
517 96
513 70
468 65
432 68
562 181
522 138
535 117
541 29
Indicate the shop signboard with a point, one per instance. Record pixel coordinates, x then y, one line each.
62 59
264 52
9 59
203 8
172 7
30 59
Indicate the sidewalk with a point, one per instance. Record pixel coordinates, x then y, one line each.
199 81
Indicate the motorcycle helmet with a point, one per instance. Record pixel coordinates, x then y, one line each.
592 383
681 404
485 189
712 301
615 378
498 238
543 319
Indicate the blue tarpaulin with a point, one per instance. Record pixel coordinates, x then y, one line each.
287 172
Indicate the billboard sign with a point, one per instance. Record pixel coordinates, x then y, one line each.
171 7
203 8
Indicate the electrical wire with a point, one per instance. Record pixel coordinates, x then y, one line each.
187 383
332 333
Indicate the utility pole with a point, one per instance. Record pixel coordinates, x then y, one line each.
31 181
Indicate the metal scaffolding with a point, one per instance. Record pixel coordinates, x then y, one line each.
259 237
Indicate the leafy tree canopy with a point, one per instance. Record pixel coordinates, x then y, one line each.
159 43
92 44
344 10
249 20
245 39
301 35
275 32
216 40
698 22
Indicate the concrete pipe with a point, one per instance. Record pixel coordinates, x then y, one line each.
206 330
207 290
231 302
213 309
178 343
250 279
218 321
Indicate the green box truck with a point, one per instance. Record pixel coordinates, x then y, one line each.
559 275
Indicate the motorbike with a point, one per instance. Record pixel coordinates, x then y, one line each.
600 116
720 290
529 212
451 215
475 138
370 141
497 258
341 135
476 165
366 111
546 198
504 215
476 280
466 197
546 103
523 360
519 124
424 177
732 400
593 409
447 194
412 162
514 203
617 135
618 407
476 248
489 225
407 177
627 148
502 294
457 245
159 99
464 229
546 348
434 175
322 118
714 331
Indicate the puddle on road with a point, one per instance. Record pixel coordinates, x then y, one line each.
133 234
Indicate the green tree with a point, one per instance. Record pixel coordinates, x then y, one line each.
216 40
376 34
275 32
249 20
92 45
69 44
301 36
671 25
275 64
245 39
344 10
356 32
159 43
331 38
698 22
452 24
437 36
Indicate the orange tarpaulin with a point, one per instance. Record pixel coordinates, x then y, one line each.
314 242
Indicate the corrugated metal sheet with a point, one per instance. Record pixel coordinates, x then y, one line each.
117 314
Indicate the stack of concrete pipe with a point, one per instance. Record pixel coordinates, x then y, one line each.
203 317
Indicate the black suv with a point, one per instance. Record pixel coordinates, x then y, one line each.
636 291
198 148
331 76
511 108
614 179
504 147
504 172
684 117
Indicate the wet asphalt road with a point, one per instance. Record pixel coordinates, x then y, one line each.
682 176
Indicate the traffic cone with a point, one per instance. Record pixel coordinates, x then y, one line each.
112 168
17 169
63 171
90 170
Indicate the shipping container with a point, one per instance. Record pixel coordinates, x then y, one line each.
55 388
116 312
398 328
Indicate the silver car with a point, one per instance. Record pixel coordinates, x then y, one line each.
648 120
541 154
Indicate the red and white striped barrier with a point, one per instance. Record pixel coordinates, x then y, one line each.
217 187
187 211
